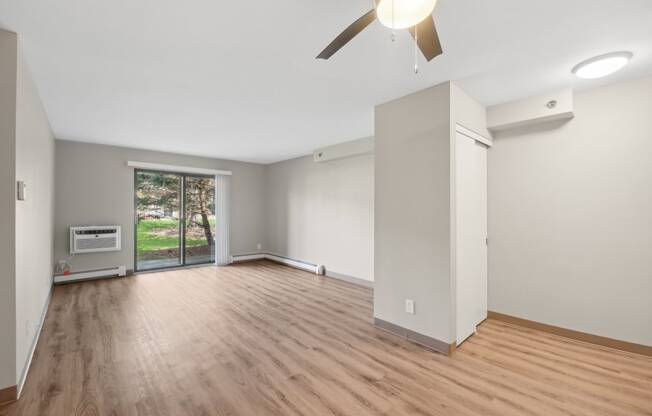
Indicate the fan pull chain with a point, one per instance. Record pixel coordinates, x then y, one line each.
393 30
416 49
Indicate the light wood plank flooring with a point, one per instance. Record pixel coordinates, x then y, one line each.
263 339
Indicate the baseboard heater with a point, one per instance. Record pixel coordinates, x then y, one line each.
313 268
92 274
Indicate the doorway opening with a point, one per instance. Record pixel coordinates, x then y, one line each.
175 219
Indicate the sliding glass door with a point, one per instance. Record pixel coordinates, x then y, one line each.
199 219
175 219
158 220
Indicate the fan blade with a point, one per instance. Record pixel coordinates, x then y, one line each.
348 34
428 40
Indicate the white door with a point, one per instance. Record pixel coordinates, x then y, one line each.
471 210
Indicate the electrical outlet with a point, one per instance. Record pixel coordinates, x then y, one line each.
409 306
259 246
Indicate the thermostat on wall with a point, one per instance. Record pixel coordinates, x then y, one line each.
20 194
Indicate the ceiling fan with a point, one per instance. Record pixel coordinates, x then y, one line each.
414 15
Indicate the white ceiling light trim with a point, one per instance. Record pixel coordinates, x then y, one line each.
401 14
602 65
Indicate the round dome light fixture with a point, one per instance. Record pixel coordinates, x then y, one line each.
602 65
401 14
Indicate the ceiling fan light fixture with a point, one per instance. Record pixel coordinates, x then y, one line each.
402 14
603 65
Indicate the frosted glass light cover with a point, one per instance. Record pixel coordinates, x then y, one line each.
602 65
406 13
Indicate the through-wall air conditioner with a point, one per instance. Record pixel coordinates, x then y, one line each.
95 239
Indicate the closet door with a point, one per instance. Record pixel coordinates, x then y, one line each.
471 232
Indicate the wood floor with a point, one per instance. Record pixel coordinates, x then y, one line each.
263 339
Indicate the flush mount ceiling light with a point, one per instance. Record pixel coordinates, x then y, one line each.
403 14
602 65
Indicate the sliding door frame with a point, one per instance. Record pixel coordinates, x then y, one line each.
182 218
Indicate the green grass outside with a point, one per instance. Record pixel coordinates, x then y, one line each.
148 241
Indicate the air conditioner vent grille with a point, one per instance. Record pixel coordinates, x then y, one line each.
95 231
95 243
94 239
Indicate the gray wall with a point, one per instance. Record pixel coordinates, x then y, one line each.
412 258
8 66
26 154
322 212
94 186
34 216
570 217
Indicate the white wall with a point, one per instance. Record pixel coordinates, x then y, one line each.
570 217
34 216
322 213
467 112
470 114
94 186
8 67
412 258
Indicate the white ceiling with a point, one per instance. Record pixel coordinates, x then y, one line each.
238 79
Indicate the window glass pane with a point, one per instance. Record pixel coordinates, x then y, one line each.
158 220
199 219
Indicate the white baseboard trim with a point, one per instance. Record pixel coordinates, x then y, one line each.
247 257
23 376
303 265
309 267
93 274
350 279
277 258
